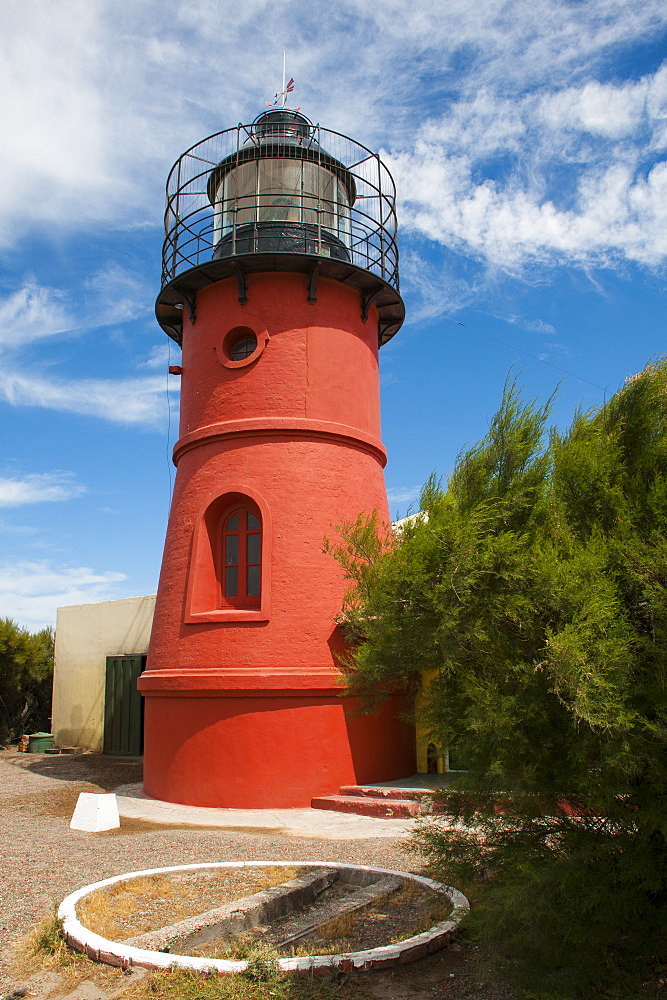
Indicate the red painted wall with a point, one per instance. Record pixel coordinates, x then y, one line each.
242 708
259 752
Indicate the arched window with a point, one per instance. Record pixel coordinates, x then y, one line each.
229 578
241 559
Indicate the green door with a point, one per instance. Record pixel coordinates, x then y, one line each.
123 706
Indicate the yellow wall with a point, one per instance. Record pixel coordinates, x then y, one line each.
423 737
85 635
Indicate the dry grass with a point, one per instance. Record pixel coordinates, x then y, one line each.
438 908
46 944
336 932
330 938
408 893
112 912
338 928
235 950
437 903
135 906
417 908
44 950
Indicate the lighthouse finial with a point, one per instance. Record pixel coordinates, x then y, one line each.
282 95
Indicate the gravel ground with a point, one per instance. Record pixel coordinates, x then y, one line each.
43 860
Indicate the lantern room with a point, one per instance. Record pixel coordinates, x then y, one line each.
280 194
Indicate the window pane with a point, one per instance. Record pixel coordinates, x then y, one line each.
252 549
278 208
280 190
231 581
232 550
252 581
280 176
325 198
242 349
239 182
238 195
241 552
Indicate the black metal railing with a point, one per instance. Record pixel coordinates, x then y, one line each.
199 228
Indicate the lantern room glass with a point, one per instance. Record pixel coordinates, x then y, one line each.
281 189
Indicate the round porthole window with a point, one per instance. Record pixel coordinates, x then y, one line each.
241 346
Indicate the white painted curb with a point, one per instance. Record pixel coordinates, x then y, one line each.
95 812
115 953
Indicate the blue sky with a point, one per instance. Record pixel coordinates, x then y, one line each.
528 141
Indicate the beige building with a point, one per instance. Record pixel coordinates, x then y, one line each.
100 649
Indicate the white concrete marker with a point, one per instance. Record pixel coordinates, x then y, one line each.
95 812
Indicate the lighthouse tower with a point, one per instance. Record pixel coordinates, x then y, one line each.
280 282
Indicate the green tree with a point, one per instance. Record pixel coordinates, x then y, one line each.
534 587
26 671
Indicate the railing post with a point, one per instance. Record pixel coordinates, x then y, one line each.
382 254
177 219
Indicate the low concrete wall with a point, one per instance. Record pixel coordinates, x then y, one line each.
123 955
85 635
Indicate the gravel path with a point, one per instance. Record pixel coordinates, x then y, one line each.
43 860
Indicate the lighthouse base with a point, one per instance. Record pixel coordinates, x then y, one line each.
251 747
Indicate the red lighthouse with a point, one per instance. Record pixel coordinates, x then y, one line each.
280 282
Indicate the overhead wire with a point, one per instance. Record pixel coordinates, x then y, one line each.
528 354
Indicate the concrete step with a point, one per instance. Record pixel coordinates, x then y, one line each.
380 808
382 792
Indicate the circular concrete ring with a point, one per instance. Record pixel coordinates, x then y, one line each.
115 953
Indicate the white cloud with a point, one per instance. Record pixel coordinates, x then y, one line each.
39 487
554 195
33 313
118 296
112 295
158 357
30 592
405 494
434 290
602 109
25 530
610 110
534 325
131 401
57 161
101 96
559 351
509 144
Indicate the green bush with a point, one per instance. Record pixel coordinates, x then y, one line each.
26 672
534 589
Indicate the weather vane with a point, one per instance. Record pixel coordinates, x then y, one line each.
281 97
